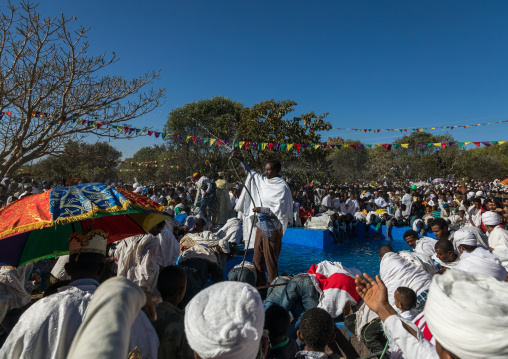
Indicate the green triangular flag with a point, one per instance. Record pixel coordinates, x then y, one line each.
461 144
205 141
163 135
138 131
74 120
260 145
494 142
370 146
395 145
283 147
428 144
237 144
338 146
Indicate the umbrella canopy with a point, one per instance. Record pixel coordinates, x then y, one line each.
38 226
504 182
437 180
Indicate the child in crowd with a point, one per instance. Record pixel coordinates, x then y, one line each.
405 301
277 322
316 331
172 284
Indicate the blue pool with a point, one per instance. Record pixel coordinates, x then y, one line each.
359 253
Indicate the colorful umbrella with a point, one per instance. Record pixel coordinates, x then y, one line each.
504 182
38 226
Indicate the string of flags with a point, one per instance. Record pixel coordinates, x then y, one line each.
140 164
143 162
279 147
417 129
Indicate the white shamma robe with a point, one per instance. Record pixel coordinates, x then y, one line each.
47 328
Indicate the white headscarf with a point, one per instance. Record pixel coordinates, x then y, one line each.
468 314
481 261
225 321
465 237
490 218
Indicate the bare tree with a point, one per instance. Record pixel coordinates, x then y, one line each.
47 79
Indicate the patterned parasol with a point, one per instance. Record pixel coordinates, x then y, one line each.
37 227
504 182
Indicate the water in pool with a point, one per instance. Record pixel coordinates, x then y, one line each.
359 253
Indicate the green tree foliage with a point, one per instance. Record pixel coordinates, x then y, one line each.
417 162
485 163
91 162
222 118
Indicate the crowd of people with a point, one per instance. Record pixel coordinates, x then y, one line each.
165 294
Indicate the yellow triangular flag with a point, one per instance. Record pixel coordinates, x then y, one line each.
316 146
467 143
119 128
344 146
212 141
263 145
501 142
188 137
143 133
290 146
241 144
437 144
405 145
80 121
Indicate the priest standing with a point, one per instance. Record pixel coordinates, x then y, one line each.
267 200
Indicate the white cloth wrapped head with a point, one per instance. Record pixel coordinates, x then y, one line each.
470 195
479 193
465 237
490 218
468 314
225 321
481 261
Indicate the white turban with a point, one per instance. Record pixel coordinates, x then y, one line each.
479 193
225 321
432 195
481 261
490 218
468 314
470 195
465 237
135 185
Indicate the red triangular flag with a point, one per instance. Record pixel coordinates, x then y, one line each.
270 145
194 138
219 142
175 137
443 144
99 124
354 146
126 129
477 143
247 144
150 133
405 129
298 148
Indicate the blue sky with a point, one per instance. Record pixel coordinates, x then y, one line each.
370 64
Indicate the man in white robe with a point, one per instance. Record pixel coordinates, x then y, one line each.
397 272
269 199
424 245
407 199
169 248
477 260
48 327
137 258
498 237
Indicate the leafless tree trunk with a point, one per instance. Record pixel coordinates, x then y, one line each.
47 79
